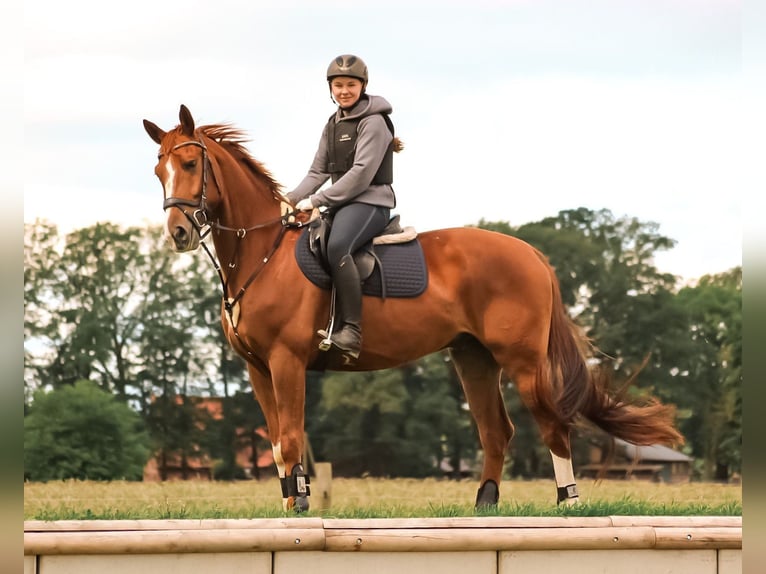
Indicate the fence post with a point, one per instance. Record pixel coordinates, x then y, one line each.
321 483
321 486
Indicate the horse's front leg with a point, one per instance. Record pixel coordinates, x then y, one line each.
283 411
289 382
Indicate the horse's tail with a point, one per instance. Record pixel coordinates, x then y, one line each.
574 389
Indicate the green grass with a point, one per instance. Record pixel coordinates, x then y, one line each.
369 498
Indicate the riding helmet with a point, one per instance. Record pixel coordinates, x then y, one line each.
348 65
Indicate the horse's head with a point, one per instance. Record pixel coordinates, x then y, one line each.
182 169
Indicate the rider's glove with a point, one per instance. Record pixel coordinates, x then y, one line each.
305 204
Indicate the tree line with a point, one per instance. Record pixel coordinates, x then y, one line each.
120 334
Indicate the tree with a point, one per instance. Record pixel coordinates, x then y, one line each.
241 426
103 299
41 275
443 407
115 306
82 432
362 413
602 262
395 422
709 379
101 269
185 354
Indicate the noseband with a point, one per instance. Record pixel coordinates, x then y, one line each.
198 217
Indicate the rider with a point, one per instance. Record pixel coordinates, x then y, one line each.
356 152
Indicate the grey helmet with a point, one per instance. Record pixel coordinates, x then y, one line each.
348 65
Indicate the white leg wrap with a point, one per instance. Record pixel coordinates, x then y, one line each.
562 468
566 486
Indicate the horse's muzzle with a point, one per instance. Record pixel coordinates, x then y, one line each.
183 238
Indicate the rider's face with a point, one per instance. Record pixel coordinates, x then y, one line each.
346 90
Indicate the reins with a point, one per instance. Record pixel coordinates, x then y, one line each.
201 222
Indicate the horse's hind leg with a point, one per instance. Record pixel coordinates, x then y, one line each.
480 376
555 435
566 486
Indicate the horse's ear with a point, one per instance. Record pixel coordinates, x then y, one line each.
154 132
187 121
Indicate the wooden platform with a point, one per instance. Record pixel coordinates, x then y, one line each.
497 545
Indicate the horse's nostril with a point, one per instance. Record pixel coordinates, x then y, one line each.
181 237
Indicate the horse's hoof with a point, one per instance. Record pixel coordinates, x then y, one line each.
488 495
301 504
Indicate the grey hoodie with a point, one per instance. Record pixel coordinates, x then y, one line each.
355 185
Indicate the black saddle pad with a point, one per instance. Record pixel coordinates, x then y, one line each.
404 269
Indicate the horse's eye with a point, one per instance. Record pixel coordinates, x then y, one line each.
189 165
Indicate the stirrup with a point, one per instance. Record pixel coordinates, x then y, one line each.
326 342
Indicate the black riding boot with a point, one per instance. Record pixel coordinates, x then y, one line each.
348 293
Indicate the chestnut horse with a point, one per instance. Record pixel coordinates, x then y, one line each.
492 300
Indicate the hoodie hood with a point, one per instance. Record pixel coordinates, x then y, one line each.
366 106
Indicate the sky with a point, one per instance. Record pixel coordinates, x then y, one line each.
510 110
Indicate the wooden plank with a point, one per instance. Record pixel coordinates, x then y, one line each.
477 539
534 522
381 535
678 521
592 561
153 525
730 562
388 523
469 522
383 562
240 563
699 537
173 541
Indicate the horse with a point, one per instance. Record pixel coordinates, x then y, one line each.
492 301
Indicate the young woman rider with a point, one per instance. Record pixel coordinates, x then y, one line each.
356 153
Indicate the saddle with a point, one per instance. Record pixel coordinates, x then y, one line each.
391 265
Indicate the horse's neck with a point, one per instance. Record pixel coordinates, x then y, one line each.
249 224
248 217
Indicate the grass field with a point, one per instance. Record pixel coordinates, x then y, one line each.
368 498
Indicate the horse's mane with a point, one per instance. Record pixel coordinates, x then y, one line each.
233 139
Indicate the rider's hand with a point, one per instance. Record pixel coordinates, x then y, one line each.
305 204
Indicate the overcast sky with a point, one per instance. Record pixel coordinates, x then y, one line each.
510 110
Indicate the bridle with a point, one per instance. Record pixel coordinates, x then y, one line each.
200 219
